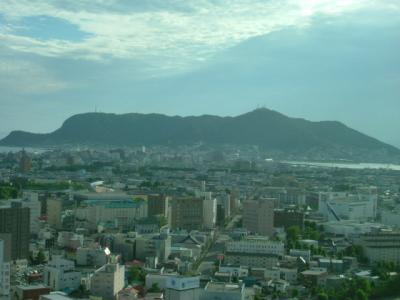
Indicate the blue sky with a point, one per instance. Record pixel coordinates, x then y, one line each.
315 59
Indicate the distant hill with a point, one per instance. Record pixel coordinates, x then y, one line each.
265 128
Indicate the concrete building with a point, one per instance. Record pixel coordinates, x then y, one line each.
286 218
157 205
182 288
342 205
54 212
31 292
381 247
60 274
15 220
95 257
187 213
108 281
221 290
210 213
5 272
122 212
155 245
258 216
254 252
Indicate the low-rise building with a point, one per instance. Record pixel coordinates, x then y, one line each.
222 290
60 274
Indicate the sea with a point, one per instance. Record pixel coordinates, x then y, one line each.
342 165
4 149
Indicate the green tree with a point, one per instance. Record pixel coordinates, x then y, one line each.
361 295
322 296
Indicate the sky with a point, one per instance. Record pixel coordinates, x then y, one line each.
316 59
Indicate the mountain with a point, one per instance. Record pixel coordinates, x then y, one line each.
265 128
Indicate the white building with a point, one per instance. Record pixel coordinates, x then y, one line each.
108 281
391 217
210 213
91 257
4 273
254 252
123 212
381 247
342 205
182 288
256 245
222 290
350 228
60 274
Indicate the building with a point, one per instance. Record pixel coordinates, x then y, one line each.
122 212
91 257
25 162
182 288
258 216
54 212
222 290
108 281
210 213
254 252
31 201
15 220
157 205
305 254
336 206
31 292
286 218
187 213
5 272
381 247
60 275
156 245
314 277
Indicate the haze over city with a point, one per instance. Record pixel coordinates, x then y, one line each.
319 60
199 149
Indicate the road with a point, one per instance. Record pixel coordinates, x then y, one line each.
217 248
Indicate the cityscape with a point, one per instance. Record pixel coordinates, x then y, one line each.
199 150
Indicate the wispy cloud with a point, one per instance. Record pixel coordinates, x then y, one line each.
174 32
22 77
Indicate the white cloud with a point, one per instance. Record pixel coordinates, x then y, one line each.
175 32
22 77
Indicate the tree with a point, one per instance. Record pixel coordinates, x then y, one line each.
40 257
154 288
361 295
322 296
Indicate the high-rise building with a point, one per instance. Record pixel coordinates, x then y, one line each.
4 272
25 163
31 200
54 211
15 220
187 213
258 216
157 205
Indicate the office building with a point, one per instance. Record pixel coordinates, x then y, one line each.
15 220
108 281
258 216
54 212
60 275
187 213
182 288
4 272
222 290
381 247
